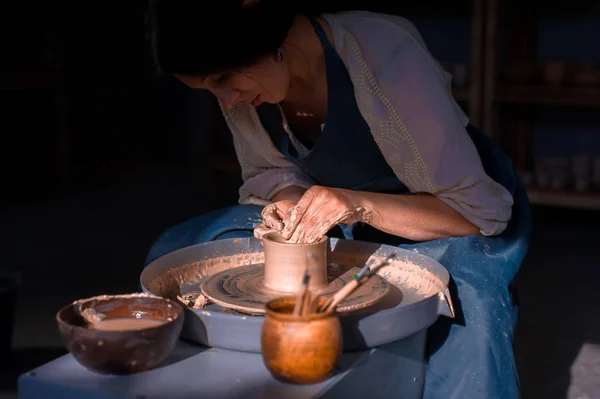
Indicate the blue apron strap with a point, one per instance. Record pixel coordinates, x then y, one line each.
320 33
347 231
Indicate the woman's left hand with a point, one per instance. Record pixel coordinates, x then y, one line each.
320 209
273 216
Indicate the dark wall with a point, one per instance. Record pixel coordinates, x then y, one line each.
117 116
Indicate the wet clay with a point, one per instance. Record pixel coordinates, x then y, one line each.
195 300
125 324
91 316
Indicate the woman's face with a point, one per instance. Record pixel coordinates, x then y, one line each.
265 81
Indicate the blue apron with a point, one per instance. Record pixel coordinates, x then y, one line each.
470 356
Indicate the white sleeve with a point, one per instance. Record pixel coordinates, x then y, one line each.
405 98
265 171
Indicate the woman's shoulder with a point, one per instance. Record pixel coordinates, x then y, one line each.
381 38
366 25
381 41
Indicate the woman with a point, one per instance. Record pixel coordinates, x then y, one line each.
345 124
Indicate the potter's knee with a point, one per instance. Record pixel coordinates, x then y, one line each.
489 305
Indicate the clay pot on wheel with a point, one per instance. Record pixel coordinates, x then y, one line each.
300 349
586 75
286 263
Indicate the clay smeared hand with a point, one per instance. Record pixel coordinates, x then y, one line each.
319 210
273 216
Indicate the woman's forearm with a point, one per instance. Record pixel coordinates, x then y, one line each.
418 217
291 193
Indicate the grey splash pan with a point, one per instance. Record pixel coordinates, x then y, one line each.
418 296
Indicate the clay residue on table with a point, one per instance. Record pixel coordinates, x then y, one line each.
196 300
408 275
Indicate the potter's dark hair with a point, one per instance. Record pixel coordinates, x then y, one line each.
196 38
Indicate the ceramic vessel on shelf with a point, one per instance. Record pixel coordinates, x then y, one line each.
586 75
596 172
300 349
121 350
542 176
581 169
558 168
554 72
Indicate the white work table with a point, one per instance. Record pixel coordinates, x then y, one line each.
395 370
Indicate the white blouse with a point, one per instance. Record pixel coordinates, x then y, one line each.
405 97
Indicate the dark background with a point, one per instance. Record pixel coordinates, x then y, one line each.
99 155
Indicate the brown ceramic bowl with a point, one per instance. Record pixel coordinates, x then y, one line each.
299 349
121 352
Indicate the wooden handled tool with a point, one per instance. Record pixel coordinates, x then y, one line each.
303 296
357 280
304 300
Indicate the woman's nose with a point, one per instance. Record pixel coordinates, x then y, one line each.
228 97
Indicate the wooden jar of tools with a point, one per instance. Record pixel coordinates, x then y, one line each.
300 349
285 264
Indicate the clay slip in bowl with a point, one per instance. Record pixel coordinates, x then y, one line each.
121 352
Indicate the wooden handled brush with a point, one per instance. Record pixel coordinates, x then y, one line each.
358 279
303 296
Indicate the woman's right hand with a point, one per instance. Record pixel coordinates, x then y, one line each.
273 216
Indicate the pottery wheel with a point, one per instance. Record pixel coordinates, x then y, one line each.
242 289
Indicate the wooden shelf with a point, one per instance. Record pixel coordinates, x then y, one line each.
564 198
512 38
552 96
